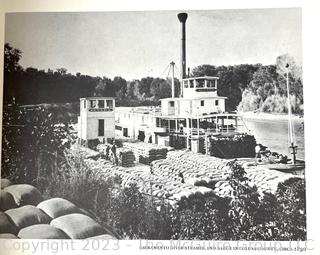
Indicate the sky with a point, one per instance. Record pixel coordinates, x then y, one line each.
139 44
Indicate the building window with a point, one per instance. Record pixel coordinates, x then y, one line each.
101 128
171 103
217 102
202 102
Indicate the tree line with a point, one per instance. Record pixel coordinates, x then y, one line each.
249 87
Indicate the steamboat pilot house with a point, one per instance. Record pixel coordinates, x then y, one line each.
197 114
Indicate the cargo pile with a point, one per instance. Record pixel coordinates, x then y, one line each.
125 156
184 174
24 214
236 146
145 153
201 170
149 184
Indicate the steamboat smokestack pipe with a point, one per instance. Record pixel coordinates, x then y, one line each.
172 80
182 18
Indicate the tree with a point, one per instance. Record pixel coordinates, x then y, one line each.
120 85
295 76
243 205
12 72
144 86
12 57
291 212
27 135
160 88
232 80
105 88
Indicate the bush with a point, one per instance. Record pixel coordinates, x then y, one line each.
31 141
291 210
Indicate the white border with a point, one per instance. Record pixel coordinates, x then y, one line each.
311 67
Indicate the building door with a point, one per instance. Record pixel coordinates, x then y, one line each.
101 128
125 132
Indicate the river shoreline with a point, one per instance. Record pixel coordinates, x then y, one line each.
268 116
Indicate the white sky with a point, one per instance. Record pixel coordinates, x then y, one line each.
139 44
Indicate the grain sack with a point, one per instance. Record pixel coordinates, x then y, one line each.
42 231
27 215
78 226
24 194
6 225
8 236
6 201
5 183
56 207
102 237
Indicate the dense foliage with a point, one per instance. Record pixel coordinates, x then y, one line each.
30 140
248 87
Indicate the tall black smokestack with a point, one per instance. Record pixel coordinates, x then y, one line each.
182 18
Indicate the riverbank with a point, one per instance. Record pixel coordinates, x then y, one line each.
268 116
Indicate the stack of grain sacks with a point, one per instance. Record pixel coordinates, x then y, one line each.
147 152
24 214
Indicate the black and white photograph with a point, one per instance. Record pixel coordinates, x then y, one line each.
154 125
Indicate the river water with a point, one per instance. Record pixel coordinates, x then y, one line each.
274 134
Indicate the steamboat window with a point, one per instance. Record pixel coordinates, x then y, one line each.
84 104
171 103
210 84
92 103
109 104
185 83
202 102
217 102
101 104
200 83
101 128
192 84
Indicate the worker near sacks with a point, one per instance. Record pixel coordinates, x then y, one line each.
181 128
107 152
257 151
114 153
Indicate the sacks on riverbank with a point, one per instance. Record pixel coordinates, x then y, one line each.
42 231
126 157
102 237
8 236
6 225
6 201
56 207
24 194
147 152
78 226
27 215
5 183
